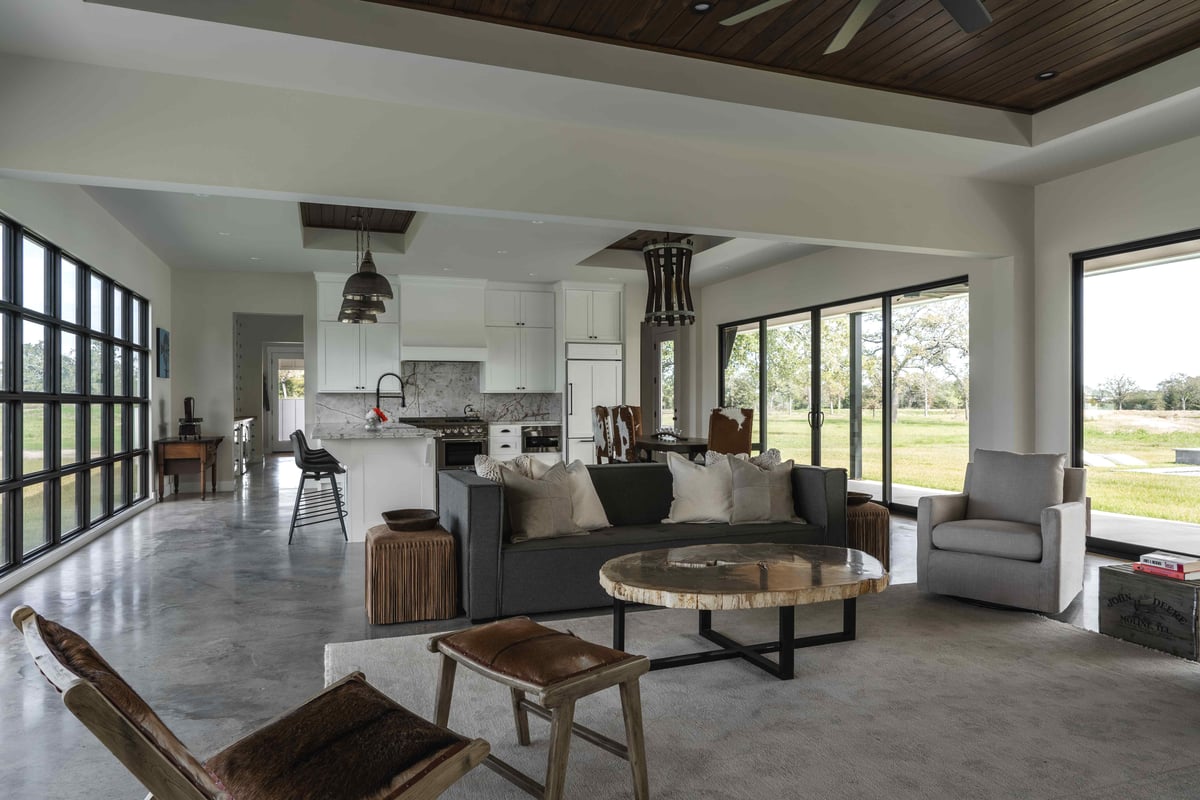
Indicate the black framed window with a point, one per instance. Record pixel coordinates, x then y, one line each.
74 398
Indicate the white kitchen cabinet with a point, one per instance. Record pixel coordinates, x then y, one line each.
352 357
519 360
591 315
516 309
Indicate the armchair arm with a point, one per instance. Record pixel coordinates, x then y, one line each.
1064 543
471 508
933 510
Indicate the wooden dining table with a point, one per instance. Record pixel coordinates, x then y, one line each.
648 445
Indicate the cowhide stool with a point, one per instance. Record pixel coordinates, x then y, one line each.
558 669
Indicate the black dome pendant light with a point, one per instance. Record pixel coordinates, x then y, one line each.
366 289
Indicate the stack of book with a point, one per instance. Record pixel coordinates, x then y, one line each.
1170 565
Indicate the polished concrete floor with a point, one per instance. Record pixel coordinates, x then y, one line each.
218 623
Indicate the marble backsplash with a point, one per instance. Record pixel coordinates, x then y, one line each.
439 389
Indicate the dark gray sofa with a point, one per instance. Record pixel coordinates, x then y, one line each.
500 578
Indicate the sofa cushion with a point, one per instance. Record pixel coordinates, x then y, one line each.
990 537
633 494
1014 486
701 494
663 534
540 508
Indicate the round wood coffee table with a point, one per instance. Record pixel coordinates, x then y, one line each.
722 577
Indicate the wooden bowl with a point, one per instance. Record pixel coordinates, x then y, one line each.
410 519
857 498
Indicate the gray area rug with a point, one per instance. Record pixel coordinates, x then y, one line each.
936 699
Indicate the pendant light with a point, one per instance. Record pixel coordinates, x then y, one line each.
366 283
360 311
669 289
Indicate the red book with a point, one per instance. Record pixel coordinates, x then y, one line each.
1166 573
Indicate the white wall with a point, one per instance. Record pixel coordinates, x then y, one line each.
1001 411
71 219
202 340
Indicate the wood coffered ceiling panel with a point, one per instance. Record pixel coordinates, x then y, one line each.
377 220
910 46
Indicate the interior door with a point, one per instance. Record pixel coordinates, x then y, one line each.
284 385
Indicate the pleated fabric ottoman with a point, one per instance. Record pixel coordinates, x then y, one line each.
868 528
411 576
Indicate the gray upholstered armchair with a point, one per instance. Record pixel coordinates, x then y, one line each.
1015 536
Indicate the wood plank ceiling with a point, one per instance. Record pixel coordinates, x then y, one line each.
910 46
377 220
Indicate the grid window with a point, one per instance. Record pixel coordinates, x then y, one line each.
33 275
74 395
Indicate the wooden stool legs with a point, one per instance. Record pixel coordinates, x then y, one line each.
631 709
562 726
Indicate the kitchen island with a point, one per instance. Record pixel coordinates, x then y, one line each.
387 469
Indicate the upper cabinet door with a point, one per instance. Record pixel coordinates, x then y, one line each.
537 357
502 308
577 313
329 300
380 351
537 309
338 357
606 316
502 370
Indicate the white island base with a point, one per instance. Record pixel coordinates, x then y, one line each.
390 469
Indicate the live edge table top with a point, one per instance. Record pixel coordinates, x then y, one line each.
722 577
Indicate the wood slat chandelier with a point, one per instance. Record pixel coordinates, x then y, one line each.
668 273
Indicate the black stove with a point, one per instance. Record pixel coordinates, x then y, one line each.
453 428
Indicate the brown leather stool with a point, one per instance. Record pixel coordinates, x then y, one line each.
558 668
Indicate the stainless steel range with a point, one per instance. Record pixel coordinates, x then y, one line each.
462 439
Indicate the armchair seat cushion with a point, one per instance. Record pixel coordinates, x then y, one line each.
990 537
349 742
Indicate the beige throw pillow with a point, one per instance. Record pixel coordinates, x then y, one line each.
770 458
587 510
524 465
540 508
762 494
701 494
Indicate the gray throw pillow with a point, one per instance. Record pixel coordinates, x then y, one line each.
1014 486
540 508
762 494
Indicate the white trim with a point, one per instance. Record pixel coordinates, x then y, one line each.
24 573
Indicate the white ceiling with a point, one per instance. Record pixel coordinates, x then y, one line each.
208 232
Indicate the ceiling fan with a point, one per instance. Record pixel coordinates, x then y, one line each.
969 14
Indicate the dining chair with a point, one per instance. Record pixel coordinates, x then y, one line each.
602 433
730 430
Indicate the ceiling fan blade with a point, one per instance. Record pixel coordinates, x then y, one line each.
754 11
858 17
969 14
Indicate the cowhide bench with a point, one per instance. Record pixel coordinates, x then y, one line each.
558 669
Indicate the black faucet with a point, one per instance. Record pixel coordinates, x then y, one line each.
403 402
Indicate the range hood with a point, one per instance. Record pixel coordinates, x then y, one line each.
441 319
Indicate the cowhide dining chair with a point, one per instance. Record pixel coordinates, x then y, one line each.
602 433
730 430
626 423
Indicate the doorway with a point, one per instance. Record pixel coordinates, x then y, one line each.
664 379
284 403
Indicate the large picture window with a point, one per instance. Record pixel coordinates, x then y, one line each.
74 399
878 385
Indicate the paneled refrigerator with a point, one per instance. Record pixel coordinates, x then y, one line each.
593 379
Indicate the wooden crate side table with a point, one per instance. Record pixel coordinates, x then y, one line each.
411 576
868 528
1162 613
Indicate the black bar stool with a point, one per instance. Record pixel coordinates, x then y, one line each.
321 506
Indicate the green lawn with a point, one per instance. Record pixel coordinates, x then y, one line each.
932 452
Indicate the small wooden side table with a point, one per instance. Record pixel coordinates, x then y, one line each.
175 456
868 528
411 576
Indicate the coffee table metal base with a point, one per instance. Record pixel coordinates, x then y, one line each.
785 645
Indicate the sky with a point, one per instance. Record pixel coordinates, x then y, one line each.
1144 323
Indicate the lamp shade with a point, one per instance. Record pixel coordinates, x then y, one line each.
359 312
668 277
366 283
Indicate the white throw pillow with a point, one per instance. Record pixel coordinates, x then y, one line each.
587 510
701 494
770 458
762 494
488 467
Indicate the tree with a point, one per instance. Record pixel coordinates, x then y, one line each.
1180 392
1117 390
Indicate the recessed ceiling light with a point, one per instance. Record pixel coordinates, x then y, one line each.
501 252
533 274
537 221
222 233
1047 75
445 269
255 258
702 7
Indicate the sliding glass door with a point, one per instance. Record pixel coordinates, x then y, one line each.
881 390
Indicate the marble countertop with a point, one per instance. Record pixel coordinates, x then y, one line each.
357 431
